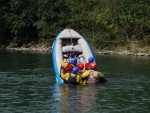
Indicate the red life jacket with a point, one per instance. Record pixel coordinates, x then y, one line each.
68 68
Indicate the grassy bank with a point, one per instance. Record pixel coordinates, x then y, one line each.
134 47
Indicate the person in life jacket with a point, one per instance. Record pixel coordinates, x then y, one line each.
87 66
94 76
67 67
90 64
74 77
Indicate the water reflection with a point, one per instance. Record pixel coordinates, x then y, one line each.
73 99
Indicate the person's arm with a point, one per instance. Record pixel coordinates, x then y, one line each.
97 74
101 75
85 74
64 76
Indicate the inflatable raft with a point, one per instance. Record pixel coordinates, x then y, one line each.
69 42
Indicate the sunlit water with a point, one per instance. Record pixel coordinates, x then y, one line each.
27 84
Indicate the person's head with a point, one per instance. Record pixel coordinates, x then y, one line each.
80 66
92 66
74 61
75 70
91 59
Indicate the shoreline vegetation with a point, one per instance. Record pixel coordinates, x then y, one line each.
110 26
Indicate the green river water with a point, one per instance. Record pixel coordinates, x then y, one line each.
27 85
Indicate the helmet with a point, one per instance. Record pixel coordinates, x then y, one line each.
73 60
92 65
80 66
91 59
75 70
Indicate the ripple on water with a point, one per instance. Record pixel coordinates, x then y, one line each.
25 90
28 86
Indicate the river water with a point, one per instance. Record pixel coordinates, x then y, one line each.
27 84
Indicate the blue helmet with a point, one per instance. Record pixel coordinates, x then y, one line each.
91 59
75 70
73 60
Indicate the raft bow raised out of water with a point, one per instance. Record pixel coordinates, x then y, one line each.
66 42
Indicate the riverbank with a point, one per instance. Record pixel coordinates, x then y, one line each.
42 48
45 48
125 53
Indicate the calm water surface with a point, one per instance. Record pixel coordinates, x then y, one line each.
27 84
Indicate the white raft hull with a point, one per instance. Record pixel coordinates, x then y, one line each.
66 41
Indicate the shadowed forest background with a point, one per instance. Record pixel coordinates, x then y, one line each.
104 23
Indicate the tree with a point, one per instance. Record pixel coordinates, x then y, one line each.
3 27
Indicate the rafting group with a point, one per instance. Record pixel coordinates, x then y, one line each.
73 60
74 72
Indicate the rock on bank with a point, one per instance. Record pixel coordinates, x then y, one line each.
42 48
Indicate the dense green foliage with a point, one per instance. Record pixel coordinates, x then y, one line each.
26 21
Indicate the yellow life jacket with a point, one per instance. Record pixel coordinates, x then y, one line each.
71 78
